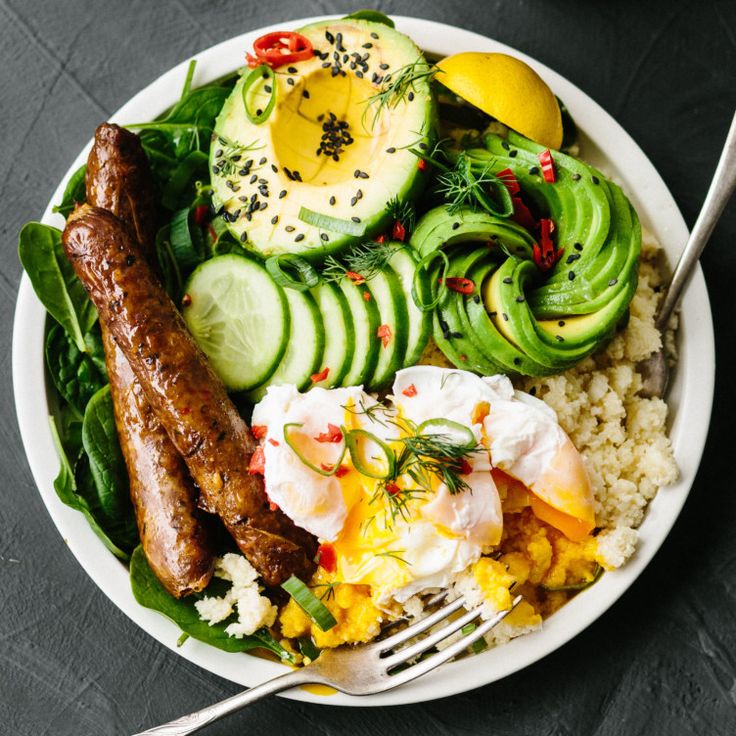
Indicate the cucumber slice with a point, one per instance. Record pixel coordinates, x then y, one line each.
239 318
394 318
339 333
419 323
366 319
305 347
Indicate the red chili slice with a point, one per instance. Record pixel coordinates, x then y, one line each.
356 278
523 215
380 239
465 467
544 254
548 166
259 431
342 471
321 376
459 284
422 165
508 178
273 442
366 296
410 390
327 557
333 434
279 48
257 464
200 214
392 488
384 332
398 231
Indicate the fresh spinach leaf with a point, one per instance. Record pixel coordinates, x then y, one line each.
66 489
74 192
149 592
74 373
54 280
108 494
180 189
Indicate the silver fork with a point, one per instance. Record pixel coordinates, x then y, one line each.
361 670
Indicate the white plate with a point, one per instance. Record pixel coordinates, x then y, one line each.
606 144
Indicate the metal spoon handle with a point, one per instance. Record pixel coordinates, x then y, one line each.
721 189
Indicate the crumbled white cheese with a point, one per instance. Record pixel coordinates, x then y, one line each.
254 610
615 546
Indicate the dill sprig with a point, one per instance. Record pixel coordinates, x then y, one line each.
229 154
366 259
371 412
404 212
397 85
329 591
394 554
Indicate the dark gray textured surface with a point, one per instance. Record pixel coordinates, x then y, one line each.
662 661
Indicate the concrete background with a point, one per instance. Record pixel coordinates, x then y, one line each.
661 661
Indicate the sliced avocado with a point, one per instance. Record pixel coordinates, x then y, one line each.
326 149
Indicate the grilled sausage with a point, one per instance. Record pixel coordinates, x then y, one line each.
188 398
174 540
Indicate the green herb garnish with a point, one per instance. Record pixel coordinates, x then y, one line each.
309 603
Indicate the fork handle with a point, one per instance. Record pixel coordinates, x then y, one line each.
201 718
721 189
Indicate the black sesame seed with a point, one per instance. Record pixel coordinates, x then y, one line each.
333 199
391 150
267 88
289 228
476 299
517 361
299 238
274 168
505 146
519 299
326 64
359 75
264 205
578 246
259 112
253 179
572 257
383 66
613 282
262 161
561 323
290 81
374 35
215 170
353 201
355 219
305 94
359 194
512 154
274 219
330 38
243 237
282 193
505 316
575 177
571 275
292 70
455 225
507 280
410 96
595 180
324 236
534 170
356 173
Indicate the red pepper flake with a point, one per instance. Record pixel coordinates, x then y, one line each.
321 376
327 557
392 489
279 48
356 278
273 506
184 411
422 165
257 465
548 166
544 254
459 284
465 467
342 471
333 434
274 442
398 232
384 333
367 296
410 390
380 239
259 431
508 179
200 214
523 215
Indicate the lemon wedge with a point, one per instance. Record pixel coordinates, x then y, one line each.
507 89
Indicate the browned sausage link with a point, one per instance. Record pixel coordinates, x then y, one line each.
173 537
190 401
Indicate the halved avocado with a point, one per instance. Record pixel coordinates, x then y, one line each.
316 176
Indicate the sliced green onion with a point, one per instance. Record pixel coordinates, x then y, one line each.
317 469
439 424
357 454
309 603
307 276
333 224
265 73
308 648
188 81
423 265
